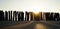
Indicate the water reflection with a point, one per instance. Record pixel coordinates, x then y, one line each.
40 26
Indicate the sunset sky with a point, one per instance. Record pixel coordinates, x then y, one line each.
30 5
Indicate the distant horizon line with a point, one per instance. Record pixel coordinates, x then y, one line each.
31 11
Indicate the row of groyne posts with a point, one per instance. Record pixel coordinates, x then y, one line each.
28 16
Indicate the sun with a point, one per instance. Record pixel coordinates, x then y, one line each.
36 12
